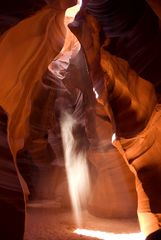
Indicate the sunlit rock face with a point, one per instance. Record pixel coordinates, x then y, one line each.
113 182
140 150
27 52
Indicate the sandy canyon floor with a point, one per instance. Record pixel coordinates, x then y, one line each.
47 221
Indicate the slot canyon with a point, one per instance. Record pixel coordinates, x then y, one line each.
80 142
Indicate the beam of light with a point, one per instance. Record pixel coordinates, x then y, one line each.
109 236
76 168
71 12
